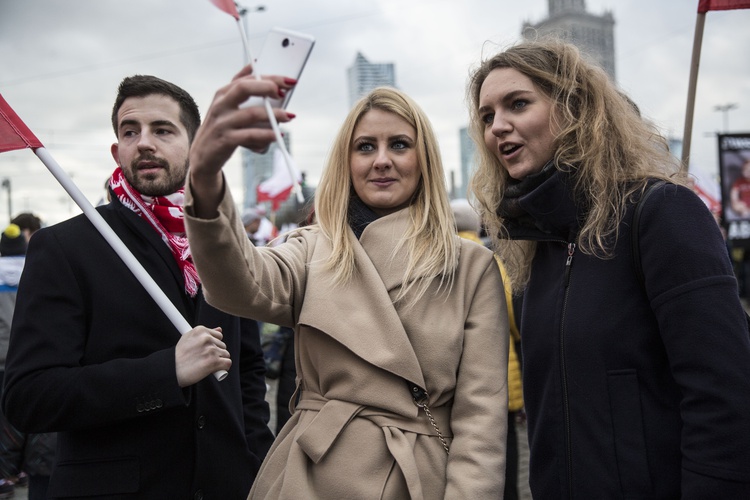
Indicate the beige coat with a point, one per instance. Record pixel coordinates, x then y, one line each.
356 432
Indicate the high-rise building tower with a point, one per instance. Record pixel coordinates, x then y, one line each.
365 76
592 34
468 160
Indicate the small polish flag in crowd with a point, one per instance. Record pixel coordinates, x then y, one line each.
277 188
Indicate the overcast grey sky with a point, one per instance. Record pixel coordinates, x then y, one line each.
61 62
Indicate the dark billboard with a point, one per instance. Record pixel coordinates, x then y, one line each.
734 168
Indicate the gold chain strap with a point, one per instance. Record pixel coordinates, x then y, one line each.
420 400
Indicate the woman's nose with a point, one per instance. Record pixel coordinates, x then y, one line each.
382 159
500 125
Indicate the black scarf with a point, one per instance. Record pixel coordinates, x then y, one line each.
510 207
543 206
360 215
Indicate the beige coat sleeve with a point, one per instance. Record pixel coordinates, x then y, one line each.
476 465
260 283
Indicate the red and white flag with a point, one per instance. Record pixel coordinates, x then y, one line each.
14 134
706 5
227 6
277 188
707 190
713 204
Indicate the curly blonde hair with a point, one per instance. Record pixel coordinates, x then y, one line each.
431 247
601 138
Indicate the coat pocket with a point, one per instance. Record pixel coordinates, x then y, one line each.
628 433
92 478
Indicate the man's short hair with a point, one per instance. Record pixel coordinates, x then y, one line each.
146 85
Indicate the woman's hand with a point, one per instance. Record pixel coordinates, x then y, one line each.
227 126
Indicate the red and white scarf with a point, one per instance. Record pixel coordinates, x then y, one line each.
165 214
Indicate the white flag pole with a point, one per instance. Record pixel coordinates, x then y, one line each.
296 188
119 247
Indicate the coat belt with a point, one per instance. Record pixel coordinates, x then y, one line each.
334 415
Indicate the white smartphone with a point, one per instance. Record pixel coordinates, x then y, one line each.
284 53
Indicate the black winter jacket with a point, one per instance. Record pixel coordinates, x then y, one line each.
634 393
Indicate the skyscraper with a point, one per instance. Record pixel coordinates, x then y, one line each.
468 152
592 34
365 76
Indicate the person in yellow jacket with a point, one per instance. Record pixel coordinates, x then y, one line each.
468 226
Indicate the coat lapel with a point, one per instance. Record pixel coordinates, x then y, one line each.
360 314
149 248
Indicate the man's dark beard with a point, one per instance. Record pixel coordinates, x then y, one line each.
147 187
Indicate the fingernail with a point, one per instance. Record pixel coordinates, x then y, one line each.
282 92
290 81
290 115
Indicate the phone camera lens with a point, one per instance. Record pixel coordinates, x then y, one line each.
285 42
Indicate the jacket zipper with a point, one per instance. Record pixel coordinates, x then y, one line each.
566 404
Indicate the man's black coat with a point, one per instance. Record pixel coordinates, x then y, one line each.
93 358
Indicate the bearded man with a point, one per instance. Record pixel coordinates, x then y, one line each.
93 357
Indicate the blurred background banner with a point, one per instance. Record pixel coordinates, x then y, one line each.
734 169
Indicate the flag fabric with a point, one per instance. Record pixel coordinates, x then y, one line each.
706 5
706 187
277 188
14 134
227 6
713 204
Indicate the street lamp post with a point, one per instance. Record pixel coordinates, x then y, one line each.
725 109
6 185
